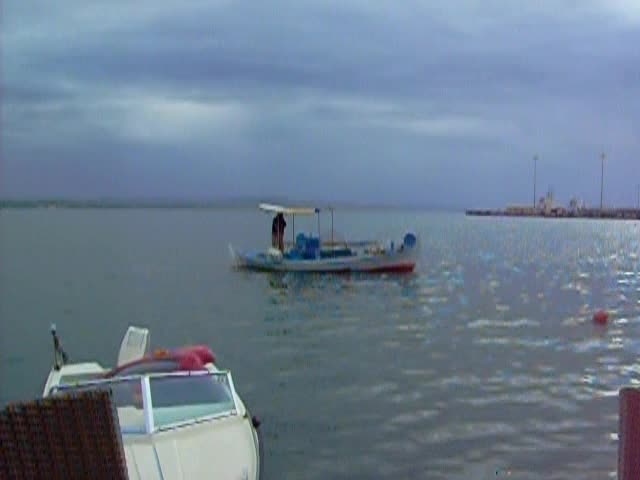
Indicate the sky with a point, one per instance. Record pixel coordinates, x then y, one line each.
432 103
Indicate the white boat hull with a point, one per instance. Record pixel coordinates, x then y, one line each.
398 261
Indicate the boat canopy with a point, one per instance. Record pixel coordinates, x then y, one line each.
267 207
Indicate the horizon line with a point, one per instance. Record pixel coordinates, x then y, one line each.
159 202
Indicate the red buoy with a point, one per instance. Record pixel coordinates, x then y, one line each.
600 317
189 362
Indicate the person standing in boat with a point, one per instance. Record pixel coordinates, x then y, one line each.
274 232
277 232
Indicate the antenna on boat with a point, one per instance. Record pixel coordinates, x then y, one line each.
59 355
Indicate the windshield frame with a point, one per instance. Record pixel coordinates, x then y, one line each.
147 401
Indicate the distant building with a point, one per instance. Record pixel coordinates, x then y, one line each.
573 205
576 205
546 204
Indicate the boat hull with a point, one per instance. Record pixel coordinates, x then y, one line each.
394 262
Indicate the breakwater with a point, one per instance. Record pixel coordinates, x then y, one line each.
611 213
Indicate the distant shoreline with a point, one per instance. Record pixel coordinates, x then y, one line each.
192 205
82 204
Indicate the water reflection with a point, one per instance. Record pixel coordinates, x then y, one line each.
484 361
295 283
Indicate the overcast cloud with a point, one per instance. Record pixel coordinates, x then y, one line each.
422 103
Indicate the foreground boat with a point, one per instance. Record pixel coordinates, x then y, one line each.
310 254
180 416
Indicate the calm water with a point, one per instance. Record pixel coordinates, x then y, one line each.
483 364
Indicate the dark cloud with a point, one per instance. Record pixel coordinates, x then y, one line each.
423 103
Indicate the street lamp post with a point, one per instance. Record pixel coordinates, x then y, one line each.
535 168
603 156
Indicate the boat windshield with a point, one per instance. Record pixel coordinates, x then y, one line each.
167 400
178 399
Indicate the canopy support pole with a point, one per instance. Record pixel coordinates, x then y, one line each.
332 227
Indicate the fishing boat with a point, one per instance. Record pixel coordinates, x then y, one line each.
309 253
180 416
